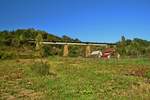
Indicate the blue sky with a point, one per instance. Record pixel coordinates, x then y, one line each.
88 20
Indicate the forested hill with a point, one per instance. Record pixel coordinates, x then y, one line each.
30 34
14 44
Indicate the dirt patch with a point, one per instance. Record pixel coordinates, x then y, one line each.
13 75
25 93
140 72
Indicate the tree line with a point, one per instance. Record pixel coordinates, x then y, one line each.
20 36
133 48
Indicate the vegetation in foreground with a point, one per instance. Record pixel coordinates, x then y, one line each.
75 78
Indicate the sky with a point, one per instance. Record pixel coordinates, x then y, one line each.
87 20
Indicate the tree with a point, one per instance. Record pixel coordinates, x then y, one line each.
123 39
39 45
67 38
121 46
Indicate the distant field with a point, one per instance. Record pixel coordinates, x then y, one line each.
77 79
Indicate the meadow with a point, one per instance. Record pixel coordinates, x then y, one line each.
76 79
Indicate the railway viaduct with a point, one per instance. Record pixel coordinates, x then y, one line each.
86 44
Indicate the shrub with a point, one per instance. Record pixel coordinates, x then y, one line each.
74 51
41 68
46 52
147 75
7 55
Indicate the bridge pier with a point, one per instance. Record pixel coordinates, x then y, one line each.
66 51
87 51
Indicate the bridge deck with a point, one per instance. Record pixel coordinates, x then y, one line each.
63 43
77 43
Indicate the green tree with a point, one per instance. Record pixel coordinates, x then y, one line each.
121 46
39 45
67 38
74 51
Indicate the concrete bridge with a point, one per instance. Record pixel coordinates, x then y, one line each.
86 44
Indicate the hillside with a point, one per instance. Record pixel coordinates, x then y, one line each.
30 34
15 43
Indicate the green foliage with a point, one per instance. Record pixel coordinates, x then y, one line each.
74 51
22 35
121 46
19 38
136 47
52 51
147 74
39 45
46 52
7 55
67 38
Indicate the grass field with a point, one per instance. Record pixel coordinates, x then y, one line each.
76 79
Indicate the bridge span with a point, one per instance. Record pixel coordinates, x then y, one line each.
86 44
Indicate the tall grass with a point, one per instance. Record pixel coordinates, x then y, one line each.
41 68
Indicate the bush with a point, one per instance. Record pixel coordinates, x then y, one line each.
147 75
74 51
41 68
46 52
7 55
